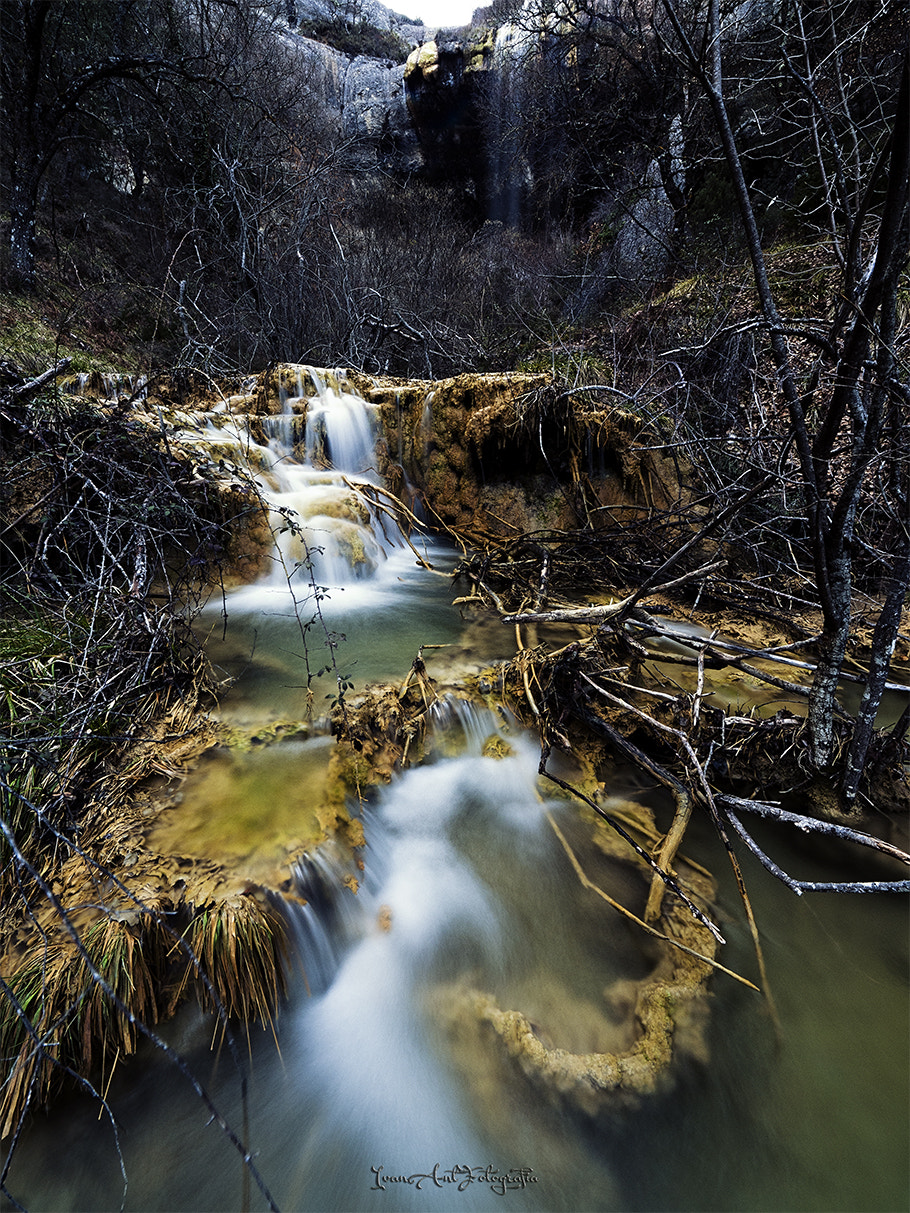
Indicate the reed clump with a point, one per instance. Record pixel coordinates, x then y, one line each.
85 998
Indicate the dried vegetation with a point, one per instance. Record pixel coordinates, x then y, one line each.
109 541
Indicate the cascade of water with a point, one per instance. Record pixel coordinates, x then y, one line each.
508 171
452 716
340 431
330 532
380 1095
319 459
109 386
332 917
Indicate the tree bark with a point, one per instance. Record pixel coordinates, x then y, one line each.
23 209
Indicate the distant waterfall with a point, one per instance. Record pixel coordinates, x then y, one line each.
509 178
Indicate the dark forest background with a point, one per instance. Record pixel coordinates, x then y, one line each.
178 191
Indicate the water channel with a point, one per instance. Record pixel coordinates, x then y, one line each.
373 1084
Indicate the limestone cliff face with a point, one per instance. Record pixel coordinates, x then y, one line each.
447 94
374 113
365 98
423 116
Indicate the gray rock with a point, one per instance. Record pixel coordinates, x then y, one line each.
644 245
375 115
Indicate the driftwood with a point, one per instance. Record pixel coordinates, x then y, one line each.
22 390
598 614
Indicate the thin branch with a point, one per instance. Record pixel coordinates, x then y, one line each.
645 926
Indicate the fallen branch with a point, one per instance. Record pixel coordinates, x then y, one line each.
597 614
812 825
33 385
668 880
718 649
814 886
645 926
708 798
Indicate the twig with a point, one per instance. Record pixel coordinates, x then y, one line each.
645 926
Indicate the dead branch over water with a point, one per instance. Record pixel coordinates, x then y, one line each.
610 682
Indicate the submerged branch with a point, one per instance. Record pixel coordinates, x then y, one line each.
718 649
645 926
814 826
614 824
815 886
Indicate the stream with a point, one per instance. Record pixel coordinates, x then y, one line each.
376 1098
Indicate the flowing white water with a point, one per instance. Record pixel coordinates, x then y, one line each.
330 534
371 1091
379 1094
341 570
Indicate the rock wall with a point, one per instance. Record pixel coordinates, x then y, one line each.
366 97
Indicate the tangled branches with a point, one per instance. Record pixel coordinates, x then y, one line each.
658 693
106 539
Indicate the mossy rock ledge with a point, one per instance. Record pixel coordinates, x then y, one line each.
482 455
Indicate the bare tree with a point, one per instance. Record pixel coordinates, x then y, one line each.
810 108
839 412
97 80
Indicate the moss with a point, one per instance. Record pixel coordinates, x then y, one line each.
33 344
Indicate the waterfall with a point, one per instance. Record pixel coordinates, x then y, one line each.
328 531
379 1093
509 178
344 589
317 472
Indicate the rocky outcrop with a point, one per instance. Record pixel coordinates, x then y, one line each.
365 98
498 454
368 12
374 113
444 106
484 456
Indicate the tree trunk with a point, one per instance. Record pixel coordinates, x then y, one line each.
883 642
23 210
